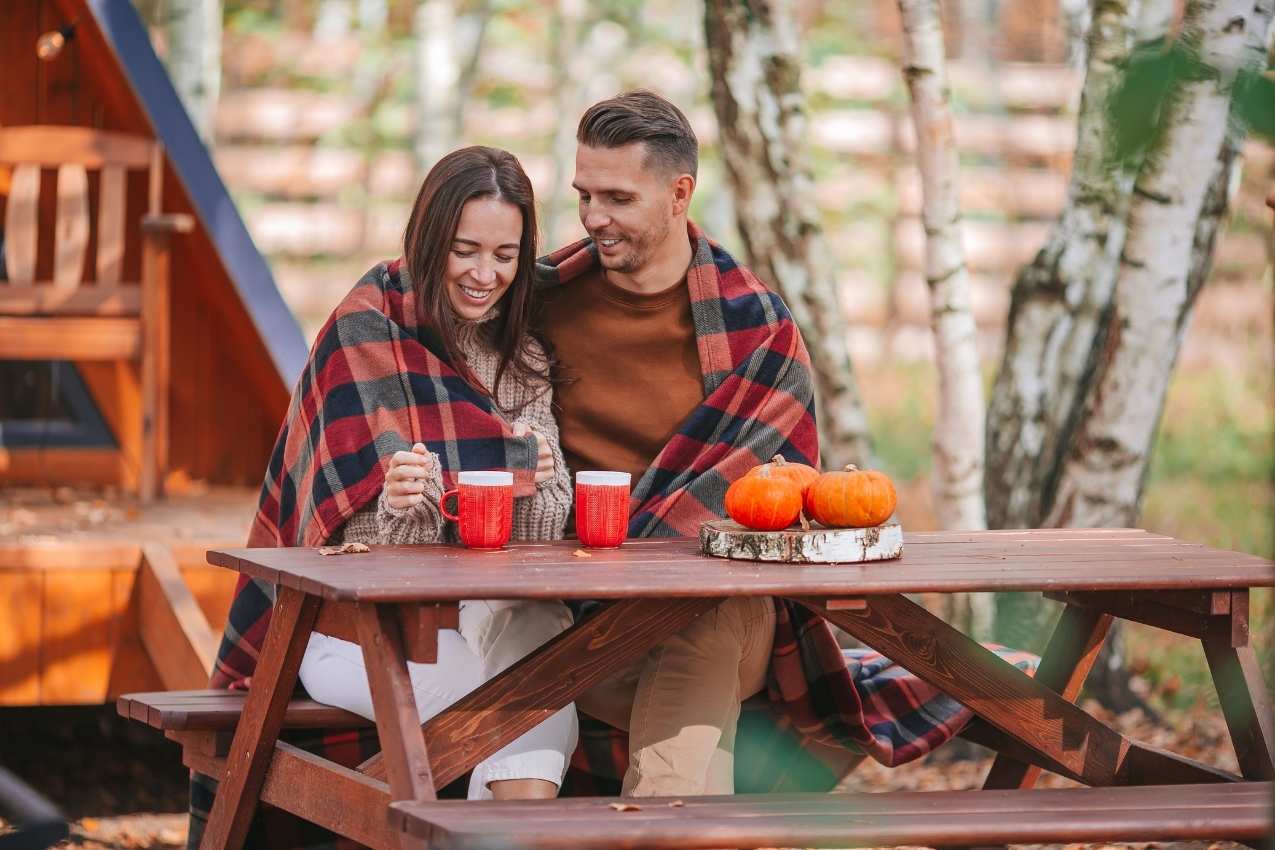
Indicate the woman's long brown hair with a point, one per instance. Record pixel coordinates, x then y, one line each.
459 177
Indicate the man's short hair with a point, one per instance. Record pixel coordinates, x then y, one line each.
643 116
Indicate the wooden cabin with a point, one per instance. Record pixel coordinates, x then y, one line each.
143 347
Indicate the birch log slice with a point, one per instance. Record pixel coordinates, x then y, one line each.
727 539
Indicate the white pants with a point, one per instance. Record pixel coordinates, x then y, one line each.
493 635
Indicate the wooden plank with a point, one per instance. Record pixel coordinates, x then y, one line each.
1246 705
156 352
131 666
173 628
403 748
306 785
68 555
43 298
1141 607
262 718
110 228
116 388
218 710
22 612
68 338
672 567
21 224
480 723
1070 655
63 466
53 146
934 819
71 230
77 638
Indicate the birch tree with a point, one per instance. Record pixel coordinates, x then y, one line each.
437 72
761 120
958 424
192 30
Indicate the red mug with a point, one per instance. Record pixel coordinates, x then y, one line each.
484 508
602 508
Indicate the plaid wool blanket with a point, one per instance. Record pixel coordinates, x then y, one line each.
824 709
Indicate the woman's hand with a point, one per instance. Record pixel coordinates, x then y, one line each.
544 455
405 479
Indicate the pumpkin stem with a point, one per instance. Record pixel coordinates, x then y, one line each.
779 460
850 467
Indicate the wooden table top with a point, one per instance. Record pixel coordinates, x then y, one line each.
942 562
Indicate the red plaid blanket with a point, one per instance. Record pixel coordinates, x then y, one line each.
824 709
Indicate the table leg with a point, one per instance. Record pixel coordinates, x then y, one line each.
482 722
394 703
1072 650
1067 740
262 718
1242 693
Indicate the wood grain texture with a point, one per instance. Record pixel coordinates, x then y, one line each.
930 818
262 718
71 229
482 722
173 628
219 710
1069 656
306 785
727 539
394 703
1148 609
673 567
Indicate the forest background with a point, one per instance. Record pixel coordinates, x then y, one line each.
323 115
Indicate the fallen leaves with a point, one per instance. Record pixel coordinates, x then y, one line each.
344 549
625 807
580 553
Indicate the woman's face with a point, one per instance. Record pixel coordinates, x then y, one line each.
483 258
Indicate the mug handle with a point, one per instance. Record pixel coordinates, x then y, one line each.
442 504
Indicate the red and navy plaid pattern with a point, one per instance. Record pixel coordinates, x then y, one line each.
824 708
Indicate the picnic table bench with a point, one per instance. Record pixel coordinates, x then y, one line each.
393 600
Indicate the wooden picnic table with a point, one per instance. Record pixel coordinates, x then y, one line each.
393 601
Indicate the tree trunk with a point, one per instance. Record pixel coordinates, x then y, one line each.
958 423
193 32
437 72
761 118
1178 203
565 45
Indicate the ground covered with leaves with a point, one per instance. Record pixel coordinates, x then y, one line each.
124 787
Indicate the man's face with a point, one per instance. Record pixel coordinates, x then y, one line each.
625 206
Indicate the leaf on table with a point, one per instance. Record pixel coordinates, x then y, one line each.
675 804
580 553
625 807
344 549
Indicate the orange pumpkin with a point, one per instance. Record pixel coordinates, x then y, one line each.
799 473
851 498
763 501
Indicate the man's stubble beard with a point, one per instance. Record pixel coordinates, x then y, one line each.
643 247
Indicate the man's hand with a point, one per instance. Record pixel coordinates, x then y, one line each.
404 481
544 455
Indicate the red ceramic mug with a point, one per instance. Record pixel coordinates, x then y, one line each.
484 508
602 508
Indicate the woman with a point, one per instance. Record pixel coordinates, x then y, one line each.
426 369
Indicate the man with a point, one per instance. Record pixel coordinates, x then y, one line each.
622 326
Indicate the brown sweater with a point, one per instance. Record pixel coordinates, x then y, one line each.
541 516
630 370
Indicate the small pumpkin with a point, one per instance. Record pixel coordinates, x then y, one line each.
851 498
799 473
763 501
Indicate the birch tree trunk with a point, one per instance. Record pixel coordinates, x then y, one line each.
958 423
193 32
1178 202
565 34
761 118
437 72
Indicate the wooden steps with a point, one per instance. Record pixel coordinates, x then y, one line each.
928 818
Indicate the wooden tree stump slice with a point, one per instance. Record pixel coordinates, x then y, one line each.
727 539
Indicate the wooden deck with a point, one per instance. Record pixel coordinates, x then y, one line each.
101 596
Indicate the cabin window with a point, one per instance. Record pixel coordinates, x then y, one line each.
44 403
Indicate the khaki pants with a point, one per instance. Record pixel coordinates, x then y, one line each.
680 703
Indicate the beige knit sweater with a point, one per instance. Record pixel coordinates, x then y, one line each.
541 516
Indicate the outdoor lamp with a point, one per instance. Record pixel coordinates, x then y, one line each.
49 46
